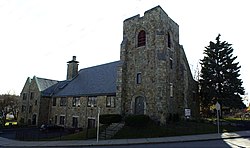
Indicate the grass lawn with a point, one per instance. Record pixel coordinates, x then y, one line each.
153 130
90 134
171 129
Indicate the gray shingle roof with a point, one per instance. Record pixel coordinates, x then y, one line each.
44 83
49 92
93 81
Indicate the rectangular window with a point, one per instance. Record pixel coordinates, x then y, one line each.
63 101
30 109
171 63
24 96
76 102
92 101
138 78
110 101
169 41
36 102
55 119
75 122
31 95
91 123
23 108
171 89
22 120
194 96
54 101
62 120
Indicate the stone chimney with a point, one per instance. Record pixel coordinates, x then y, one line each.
72 70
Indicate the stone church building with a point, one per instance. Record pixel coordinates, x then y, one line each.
152 78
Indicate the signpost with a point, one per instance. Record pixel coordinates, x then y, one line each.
98 124
217 106
187 113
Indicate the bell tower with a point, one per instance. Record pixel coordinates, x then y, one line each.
149 68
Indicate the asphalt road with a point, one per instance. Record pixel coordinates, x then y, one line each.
228 143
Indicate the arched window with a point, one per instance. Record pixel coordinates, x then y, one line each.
138 78
169 40
141 38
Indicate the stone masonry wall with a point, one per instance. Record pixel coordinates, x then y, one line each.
31 104
83 112
153 62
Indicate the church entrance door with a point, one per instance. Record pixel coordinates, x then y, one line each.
139 105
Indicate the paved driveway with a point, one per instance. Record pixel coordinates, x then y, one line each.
31 133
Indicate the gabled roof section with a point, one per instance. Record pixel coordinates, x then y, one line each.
93 81
43 83
27 84
49 92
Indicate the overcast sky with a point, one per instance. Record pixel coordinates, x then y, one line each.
38 37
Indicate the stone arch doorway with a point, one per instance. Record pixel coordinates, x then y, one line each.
139 105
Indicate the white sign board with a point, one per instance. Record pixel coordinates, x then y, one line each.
187 112
217 106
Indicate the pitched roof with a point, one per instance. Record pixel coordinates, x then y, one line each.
54 88
43 83
97 80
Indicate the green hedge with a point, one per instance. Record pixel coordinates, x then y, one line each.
110 118
137 120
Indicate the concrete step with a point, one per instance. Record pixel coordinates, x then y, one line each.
111 130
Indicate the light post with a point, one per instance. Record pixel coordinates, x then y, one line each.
98 124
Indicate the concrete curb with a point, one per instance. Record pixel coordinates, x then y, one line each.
81 143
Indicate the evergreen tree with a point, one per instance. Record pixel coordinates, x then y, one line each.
220 76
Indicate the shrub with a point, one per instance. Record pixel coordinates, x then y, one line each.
110 118
137 120
173 117
176 117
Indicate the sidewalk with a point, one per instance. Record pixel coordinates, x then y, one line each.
204 137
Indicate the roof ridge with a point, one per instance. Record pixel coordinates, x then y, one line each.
41 81
99 65
47 79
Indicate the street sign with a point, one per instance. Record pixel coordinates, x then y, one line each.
187 112
217 106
